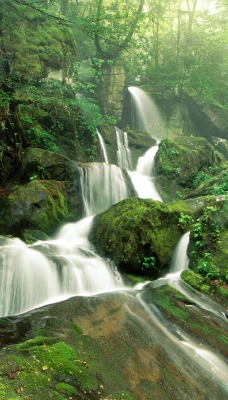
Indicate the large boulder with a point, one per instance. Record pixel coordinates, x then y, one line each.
138 235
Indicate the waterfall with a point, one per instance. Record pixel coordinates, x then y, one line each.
143 178
150 120
102 144
180 259
102 186
50 271
149 117
178 264
123 152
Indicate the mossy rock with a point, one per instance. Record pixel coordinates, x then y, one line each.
39 205
217 185
136 230
178 162
32 235
192 278
45 164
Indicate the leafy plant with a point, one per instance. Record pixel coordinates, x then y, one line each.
200 177
207 268
185 220
148 262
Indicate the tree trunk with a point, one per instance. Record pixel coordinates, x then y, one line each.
63 6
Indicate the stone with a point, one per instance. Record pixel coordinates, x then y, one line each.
138 235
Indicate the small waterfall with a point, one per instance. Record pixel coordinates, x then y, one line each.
102 186
180 259
149 117
143 178
51 271
178 264
123 152
103 148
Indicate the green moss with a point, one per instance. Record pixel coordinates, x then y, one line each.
66 388
192 278
172 309
205 289
223 291
37 341
199 327
42 206
42 366
7 393
223 338
179 162
168 298
134 230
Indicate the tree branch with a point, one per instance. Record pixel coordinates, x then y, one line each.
64 21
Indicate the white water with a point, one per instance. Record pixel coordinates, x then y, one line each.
123 152
143 178
102 186
51 271
181 349
179 263
150 120
149 117
103 148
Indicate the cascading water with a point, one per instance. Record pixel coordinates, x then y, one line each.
102 186
123 152
148 116
103 148
150 120
51 271
179 263
143 178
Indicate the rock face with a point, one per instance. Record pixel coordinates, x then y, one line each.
208 120
178 162
138 235
111 90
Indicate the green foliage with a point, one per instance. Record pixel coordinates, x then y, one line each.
200 177
148 262
185 220
221 188
207 268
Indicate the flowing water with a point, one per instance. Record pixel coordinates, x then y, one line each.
103 148
50 271
143 178
148 115
123 152
102 186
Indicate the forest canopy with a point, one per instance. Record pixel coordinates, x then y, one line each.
173 45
